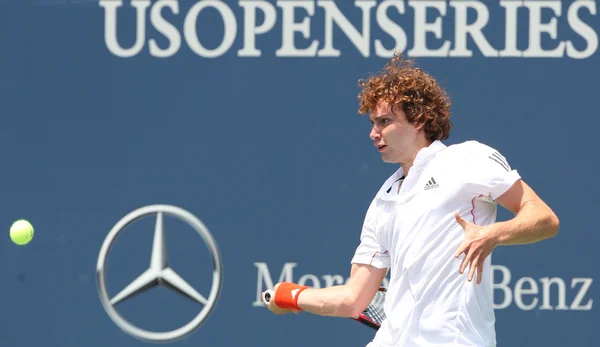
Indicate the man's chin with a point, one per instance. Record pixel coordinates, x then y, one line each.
387 159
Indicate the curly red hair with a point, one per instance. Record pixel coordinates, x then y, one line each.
400 83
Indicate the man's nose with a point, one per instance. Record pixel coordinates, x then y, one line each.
374 135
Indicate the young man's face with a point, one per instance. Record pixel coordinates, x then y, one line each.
392 134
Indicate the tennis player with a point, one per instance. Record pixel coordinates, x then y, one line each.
432 223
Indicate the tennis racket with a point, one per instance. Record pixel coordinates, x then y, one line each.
372 316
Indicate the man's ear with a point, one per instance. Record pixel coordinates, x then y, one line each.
420 126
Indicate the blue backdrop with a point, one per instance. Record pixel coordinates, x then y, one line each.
270 154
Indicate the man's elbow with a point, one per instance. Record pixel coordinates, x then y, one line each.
353 310
351 306
553 225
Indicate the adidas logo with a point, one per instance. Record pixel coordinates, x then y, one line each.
431 184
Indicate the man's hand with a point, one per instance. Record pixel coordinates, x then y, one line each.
477 244
272 306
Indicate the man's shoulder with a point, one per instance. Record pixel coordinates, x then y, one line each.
468 148
475 154
457 157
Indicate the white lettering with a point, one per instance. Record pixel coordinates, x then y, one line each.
533 289
562 297
250 28
462 29
391 28
520 291
165 28
290 27
191 36
582 29
433 36
586 283
536 28
422 27
510 44
110 27
265 281
525 286
333 14
503 285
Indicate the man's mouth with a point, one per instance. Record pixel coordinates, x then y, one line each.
381 148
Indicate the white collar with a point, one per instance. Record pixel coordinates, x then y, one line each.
424 155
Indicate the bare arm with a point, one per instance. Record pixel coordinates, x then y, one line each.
346 300
534 220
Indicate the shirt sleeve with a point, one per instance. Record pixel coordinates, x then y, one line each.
488 172
370 251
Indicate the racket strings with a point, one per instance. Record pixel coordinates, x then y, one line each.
375 311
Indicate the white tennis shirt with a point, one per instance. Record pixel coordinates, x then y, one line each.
414 233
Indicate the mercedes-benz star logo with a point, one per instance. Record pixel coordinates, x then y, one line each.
159 273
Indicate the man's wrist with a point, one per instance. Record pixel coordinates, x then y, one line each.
494 233
287 295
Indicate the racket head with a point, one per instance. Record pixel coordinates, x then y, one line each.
374 314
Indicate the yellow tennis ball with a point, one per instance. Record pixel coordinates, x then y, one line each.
21 232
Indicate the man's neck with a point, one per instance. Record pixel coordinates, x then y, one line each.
409 163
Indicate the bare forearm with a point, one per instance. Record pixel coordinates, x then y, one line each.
332 301
534 222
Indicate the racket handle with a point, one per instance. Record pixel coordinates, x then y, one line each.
268 295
